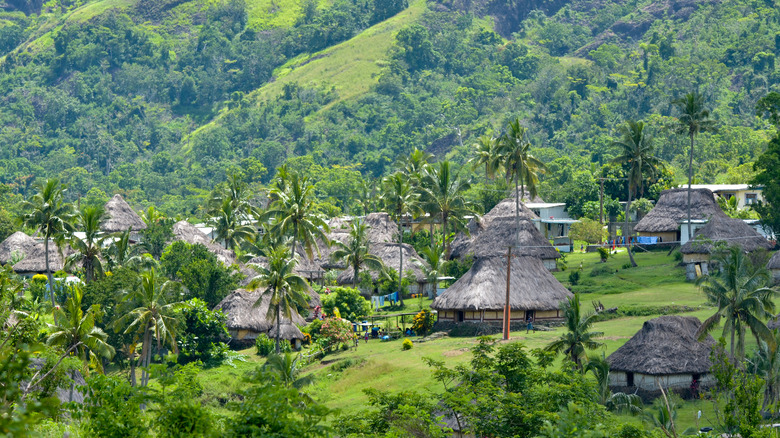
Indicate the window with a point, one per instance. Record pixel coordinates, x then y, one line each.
629 379
751 198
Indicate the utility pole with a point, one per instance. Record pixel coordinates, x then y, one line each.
507 308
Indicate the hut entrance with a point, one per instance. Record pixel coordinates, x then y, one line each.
529 314
629 379
460 316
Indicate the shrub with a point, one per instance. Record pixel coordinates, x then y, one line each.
423 322
603 253
574 277
588 230
203 332
313 329
407 344
600 270
264 345
677 255
337 331
39 278
350 303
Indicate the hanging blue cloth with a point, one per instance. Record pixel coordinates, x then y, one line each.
381 301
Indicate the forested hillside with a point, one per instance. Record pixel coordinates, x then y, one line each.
162 99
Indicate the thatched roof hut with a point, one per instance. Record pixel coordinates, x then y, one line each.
289 332
17 244
121 217
389 254
35 260
664 351
462 245
380 228
249 273
722 228
186 232
245 320
672 207
774 265
526 240
480 294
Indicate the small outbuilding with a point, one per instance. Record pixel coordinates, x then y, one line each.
664 220
390 254
16 247
480 294
720 228
664 352
35 261
121 217
245 321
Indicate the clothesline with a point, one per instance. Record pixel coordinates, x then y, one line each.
379 301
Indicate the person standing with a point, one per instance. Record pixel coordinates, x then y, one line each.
530 324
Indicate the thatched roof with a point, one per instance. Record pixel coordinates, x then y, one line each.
242 314
774 262
665 345
380 228
288 332
462 245
722 228
672 207
249 273
186 232
389 254
35 260
121 217
483 287
17 243
503 231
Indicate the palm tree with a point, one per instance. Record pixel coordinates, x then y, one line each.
415 164
286 368
578 336
295 213
122 253
229 226
89 249
739 291
619 401
486 154
694 119
283 286
51 216
75 330
442 196
435 257
355 252
400 200
158 231
766 364
636 152
520 166
152 318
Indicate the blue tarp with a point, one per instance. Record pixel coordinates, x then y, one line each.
647 240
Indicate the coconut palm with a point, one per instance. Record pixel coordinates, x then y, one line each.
74 330
740 292
158 232
152 317
486 154
285 289
578 336
355 252
122 253
434 257
443 197
766 364
51 216
229 226
286 368
619 401
399 199
520 166
415 165
694 119
295 214
88 250
636 152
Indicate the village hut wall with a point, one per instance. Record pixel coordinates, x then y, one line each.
646 382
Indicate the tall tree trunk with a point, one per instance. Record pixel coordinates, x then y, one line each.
294 239
278 324
626 233
401 262
733 329
690 181
356 268
517 208
48 270
444 240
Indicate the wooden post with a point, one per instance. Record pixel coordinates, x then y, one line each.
507 308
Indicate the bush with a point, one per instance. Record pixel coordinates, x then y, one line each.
626 266
264 345
407 344
337 331
574 277
423 322
603 253
313 329
677 255
350 303
588 230
600 270
203 332
39 278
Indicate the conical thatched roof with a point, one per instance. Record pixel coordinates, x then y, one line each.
242 314
665 345
380 228
389 254
186 232
774 262
722 228
483 287
288 332
493 241
672 206
121 217
462 245
35 260
17 243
